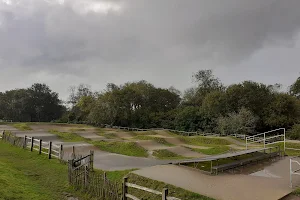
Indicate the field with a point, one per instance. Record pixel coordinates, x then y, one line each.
118 152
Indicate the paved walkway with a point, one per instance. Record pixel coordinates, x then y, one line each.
226 186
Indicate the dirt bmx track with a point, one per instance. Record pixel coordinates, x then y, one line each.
227 186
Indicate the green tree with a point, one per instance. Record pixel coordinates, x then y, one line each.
283 111
242 122
295 88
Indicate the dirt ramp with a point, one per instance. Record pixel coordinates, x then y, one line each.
185 152
174 140
90 135
151 145
7 128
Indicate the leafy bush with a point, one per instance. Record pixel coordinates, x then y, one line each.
243 122
294 133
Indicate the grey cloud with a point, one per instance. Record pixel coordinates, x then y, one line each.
156 36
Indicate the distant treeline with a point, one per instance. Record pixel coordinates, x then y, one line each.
209 106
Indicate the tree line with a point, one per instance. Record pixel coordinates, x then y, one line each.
208 106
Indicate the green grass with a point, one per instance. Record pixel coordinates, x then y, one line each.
109 135
156 139
125 148
22 126
213 150
29 176
156 185
68 137
289 145
204 141
165 154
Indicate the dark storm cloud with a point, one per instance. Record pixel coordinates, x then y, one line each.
82 38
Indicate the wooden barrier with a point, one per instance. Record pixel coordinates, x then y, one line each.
126 196
48 148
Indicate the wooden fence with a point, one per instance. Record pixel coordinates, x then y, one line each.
33 144
48 148
82 177
183 133
127 196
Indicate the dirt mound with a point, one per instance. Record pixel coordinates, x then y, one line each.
163 133
151 145
174 140
185 152
90 135
7 128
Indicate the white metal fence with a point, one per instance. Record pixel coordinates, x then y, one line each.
268 138
294 168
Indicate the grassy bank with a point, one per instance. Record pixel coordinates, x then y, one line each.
67 136
22 126
213 150
27 175
125 148
156 185
156 139
165 154
204 141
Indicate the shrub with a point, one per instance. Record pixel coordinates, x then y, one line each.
294 133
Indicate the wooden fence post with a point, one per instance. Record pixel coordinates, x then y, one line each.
61 152
50 150
86 176
92 160
32 143
73 152
40 147
125 189
165 194
104 184
70 170
25 142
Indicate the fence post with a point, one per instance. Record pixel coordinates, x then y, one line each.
50 150
61 152
92 160
165 193
125 189
73 152
40 147
70 170
25 142
86 171
104 183
32 143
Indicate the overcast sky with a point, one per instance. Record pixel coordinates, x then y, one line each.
68 42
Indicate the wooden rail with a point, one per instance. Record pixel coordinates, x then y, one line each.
126 196
42 147
184 133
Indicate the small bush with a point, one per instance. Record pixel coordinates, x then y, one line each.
294 133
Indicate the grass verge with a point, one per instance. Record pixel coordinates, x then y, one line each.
156 139
165 154
68 137
30 176
125 148
204 141
213 150
22 126
156 185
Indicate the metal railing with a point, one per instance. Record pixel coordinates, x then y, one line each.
294 171
265 140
